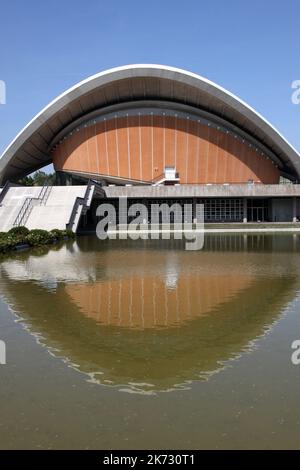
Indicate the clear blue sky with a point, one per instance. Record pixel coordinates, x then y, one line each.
251 48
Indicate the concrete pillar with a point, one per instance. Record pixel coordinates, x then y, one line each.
270 210
245 208
194 211
295 237
245 242
294 209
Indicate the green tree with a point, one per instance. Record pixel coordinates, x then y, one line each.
39 178
26 181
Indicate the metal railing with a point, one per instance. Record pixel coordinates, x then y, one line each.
29 202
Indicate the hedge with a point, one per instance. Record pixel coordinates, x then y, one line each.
22 231
18 236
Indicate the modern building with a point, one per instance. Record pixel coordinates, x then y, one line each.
152 133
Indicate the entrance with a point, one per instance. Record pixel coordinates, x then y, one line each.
258 210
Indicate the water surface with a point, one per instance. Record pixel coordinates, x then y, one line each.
145 345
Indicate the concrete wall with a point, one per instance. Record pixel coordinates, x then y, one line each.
205 190
55 213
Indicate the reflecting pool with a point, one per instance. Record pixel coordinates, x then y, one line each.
141 344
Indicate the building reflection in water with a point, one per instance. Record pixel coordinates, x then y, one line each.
151 316
149 302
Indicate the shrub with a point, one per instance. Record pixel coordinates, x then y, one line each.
19 231
17 235
36 238
64 233
69 233
6 243
58 234
39 237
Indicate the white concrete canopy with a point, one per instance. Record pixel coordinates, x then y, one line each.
31 149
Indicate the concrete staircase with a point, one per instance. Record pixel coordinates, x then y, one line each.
44 208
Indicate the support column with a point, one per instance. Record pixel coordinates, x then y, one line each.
245 210
194 211
294 209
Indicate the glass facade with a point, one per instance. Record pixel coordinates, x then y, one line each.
180 210
223 210
258 210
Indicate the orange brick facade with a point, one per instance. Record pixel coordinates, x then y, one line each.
140 147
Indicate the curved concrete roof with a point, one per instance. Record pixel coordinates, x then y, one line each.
30 150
